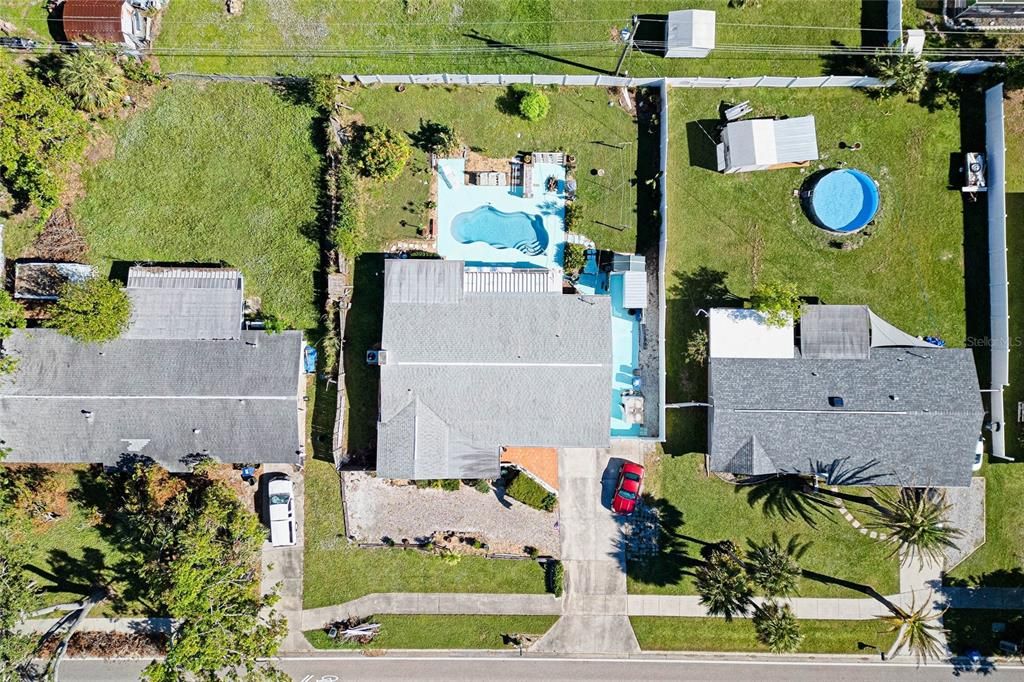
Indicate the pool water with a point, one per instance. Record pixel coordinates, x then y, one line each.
501 230
844 200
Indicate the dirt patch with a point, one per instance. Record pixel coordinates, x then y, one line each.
60 239
231 475
111 645
478 163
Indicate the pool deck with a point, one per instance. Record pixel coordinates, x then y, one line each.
461 198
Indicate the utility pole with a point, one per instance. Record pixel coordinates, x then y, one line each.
629 44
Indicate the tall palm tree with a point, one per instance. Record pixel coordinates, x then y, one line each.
774 568
918 631
914 521
723 585
91 79
777 628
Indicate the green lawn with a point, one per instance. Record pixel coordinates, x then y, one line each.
999 560
451 36
581 122
336 571
733 229
221 173
697 509
442 632
715 634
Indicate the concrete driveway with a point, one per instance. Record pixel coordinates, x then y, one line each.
283 565
594 616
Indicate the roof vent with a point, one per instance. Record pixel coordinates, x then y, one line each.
894 397
88 415
196 430
835 401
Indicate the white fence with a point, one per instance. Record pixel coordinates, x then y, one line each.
968 67
618 81
998 277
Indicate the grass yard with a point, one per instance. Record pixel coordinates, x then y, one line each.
715 634
442 632
707 509
487 36
999 560
731 230
219 173
581 121
336 571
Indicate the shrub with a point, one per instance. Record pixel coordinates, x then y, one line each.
575 258
778 301
323 89
436 138
697 348
12 315
381 153
573 213
92 79
95 310
906 74
529 492
534 106
140 71
555 574
450 484
532 552
482 486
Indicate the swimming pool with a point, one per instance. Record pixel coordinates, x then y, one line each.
498 226
843 200
501 230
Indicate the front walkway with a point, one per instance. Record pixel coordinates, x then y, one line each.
594 616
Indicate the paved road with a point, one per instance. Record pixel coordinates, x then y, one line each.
594 616
493 669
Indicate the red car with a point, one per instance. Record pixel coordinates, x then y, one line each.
627 490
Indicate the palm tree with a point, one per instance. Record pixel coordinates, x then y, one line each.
777 628
91 79
774 568
723 585
918 631
914 522
904 74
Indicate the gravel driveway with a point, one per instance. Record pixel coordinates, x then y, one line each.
377 509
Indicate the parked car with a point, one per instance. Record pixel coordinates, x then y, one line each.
280 510
979 454
627 490
14 43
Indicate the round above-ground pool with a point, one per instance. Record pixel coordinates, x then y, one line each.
843 200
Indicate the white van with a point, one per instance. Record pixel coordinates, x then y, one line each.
280 511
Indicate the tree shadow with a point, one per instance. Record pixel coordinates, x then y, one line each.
363 327
648 172
703 288
701 143
673 560
845 61
500 46
508 101
1002 577
971 630
293 90
786 498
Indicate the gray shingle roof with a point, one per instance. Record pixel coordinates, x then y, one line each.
166 399
185 303
487 370
776 413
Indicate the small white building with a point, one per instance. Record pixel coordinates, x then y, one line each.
767 144
689 33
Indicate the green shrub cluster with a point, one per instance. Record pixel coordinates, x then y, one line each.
348 221
575 258
482 486
555 574
529 492
381 153
531 103
448 484
94 311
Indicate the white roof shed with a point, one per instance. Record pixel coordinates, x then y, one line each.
743 333
764 143
689 33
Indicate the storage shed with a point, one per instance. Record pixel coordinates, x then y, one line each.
42 280
106 21
689 33
767 144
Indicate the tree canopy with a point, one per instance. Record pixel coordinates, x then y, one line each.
95 310
778 301
381 153
18 592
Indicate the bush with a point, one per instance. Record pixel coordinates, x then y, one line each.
436 138
906 74
573 213
381 153
482 486
534 106
348 226
555 574
697 348
450 484
778 301
95 310
92 79
323 89
575 258
532 552
140 71
529 492
12 315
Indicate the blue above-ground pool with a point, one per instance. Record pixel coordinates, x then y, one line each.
843 200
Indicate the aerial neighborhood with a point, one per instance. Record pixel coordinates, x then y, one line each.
433 339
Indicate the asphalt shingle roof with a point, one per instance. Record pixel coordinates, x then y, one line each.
910 416
185 303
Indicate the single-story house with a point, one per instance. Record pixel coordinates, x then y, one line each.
473 360
106 21
842 396
170 398
767 144
42 280
689 33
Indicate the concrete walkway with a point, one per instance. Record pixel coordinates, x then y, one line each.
594 616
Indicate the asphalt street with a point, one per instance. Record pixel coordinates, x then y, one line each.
395 666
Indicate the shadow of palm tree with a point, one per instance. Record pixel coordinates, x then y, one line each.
787 498
673 560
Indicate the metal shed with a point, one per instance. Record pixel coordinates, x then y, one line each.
766 144
41 281
113 21
634 289
689 33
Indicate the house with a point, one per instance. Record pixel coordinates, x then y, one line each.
767 144
474 359
689 33
42 280
165 391
107 21
842 396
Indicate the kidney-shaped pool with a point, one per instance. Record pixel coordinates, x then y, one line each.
520 231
